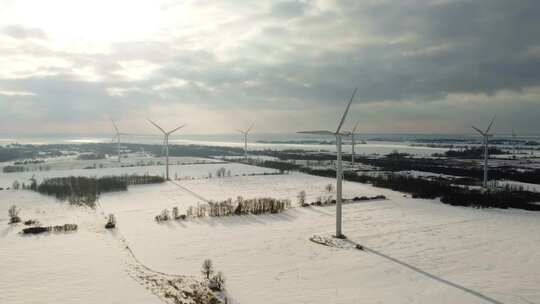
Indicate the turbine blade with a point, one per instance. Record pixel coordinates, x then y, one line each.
156 125
238 130
180 127
318 132
115 127
355 126
346 111
490 124
478 130
249 129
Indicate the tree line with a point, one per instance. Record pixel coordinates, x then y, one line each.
86 190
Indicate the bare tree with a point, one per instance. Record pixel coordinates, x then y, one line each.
329 187
217 282
301 197
207 268
13 213
111 221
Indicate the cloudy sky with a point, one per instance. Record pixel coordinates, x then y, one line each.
66 66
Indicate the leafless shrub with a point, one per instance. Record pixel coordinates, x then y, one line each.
301 197
13 213
207 268
329 188
111 221
217 282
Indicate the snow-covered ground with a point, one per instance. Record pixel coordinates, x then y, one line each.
87 266
458 254
417 251
176 170
135 159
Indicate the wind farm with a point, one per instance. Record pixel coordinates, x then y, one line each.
269 152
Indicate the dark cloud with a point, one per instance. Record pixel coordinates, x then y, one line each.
288 9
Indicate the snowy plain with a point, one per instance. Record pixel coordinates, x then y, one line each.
421 251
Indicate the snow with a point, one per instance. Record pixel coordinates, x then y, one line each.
418 251
87 266
183 171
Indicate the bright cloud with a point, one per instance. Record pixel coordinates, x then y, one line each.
419 65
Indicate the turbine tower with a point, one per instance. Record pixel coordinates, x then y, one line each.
245 133
166 144
116 138
353 141
339 172
485 134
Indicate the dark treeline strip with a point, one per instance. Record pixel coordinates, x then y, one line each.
57 228
507 197
9 154
241 206
396 162
452 168
473 152
86 190
22 152
11 169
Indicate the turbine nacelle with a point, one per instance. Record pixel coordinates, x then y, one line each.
163 131
486 132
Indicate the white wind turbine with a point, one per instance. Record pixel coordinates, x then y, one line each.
245 133
116 138
166 144
353 141
339 172
485 134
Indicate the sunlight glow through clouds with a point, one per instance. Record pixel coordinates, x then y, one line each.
279 60
98 21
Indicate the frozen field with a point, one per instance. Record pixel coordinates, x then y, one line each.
423 251
182 171
71 163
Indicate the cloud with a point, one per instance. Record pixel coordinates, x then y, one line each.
291 59
22 32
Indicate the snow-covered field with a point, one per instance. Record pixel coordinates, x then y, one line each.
181 171
420 251
134 159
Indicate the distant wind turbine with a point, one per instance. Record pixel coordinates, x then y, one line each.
245 133
339 172
353 141
116 138
166 144
485 134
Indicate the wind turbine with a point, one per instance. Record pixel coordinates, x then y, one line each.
353 142
245 133
339 172
166 144
116 137
485 134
